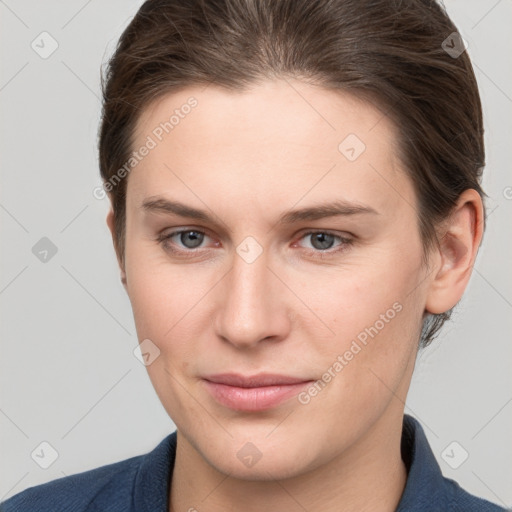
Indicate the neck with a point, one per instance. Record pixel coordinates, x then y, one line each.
369 476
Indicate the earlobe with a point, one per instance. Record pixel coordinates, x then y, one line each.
111 227
458 247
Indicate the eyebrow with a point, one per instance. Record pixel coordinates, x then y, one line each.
311 213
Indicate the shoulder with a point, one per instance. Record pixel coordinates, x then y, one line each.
462 501
426 488
135 484
84 491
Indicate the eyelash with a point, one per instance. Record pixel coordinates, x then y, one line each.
163 239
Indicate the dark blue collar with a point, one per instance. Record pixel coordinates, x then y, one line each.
426 489
425 484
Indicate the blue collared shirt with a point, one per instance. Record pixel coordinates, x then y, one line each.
141 484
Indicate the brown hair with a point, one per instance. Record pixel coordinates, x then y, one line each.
388 51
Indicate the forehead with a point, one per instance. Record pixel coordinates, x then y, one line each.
278 137
271 110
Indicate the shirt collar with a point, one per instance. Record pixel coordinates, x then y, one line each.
153 480
425 482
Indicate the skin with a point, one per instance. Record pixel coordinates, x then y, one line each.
247 158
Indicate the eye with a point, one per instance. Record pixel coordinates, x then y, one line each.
189 239
322 242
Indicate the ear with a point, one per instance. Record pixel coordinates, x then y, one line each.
110 224
460 239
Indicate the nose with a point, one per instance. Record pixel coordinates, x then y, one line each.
254 306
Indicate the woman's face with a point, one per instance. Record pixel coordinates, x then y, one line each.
247 289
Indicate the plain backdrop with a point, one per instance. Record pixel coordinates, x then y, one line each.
68 374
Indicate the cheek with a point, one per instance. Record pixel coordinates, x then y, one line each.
378 297
163 302
172 308
376 315
159 292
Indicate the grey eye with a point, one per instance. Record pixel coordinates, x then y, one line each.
321 241
191 239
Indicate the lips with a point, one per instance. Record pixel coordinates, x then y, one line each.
253 393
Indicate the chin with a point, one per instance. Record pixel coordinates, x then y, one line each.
269 467
260 457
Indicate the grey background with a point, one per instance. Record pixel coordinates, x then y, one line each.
68 375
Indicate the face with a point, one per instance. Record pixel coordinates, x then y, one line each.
305 264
